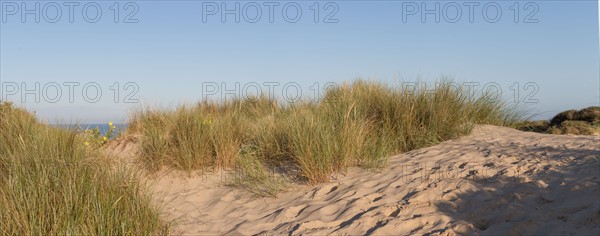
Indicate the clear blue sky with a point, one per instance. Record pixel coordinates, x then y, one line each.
171 50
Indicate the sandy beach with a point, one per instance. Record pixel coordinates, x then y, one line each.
496 181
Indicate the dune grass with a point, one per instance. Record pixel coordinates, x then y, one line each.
354 125
53 184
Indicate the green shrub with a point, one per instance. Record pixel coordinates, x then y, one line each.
565 115
590 115
583 122
93 137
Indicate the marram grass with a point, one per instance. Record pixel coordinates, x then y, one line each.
51 183
354 125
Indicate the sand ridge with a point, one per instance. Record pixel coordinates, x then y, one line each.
495 181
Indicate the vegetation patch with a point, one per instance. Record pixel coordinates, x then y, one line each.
583 122
51 183
354 125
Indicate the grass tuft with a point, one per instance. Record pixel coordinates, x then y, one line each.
353 125
53 184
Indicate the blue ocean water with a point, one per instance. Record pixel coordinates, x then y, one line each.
103 128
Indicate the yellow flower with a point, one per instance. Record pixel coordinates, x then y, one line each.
206 122
110 123
86 144
104 138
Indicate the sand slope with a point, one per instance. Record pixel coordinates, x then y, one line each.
497 181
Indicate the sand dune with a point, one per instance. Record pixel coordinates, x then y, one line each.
497 181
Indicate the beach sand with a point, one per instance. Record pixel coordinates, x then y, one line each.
496 181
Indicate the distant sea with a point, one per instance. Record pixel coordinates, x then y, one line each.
103 128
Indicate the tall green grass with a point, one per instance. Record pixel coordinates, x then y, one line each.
52 184
354 125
